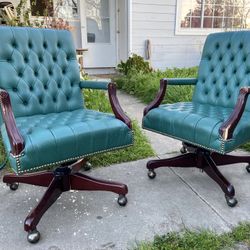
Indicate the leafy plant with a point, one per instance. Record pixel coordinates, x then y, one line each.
134 64
23 16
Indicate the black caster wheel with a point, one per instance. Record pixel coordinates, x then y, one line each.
248 168
151 174
33 236
13 186
87 166
231 201
183 150
122 200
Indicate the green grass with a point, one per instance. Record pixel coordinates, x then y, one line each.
97 99
146 86
202 240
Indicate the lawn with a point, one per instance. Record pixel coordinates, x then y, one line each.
202 240
146 85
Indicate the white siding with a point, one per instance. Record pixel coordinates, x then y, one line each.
155 20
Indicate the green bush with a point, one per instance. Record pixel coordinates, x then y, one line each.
134 64
145 86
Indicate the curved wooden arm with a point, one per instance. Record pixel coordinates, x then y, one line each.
158 99
16 140
116 107
227 128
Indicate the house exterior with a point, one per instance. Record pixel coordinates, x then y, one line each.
169 33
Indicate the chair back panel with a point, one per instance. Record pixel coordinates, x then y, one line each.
39 69
224 69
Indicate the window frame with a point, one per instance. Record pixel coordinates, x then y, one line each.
195 31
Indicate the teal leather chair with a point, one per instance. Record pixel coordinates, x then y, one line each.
217 120
44 123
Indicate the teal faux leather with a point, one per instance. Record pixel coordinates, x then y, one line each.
60 137
182 81
102 85
223 70
39 70
197 124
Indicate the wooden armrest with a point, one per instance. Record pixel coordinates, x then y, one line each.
163 87
116 107
160 96
15 138
227 128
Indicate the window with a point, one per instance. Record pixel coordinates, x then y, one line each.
206 15
98 21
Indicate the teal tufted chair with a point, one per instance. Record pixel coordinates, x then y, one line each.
44 122
216 121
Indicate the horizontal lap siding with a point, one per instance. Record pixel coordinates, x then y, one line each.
155 20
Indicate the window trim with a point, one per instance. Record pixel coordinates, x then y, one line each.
195 31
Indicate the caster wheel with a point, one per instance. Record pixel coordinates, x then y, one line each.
151 174
248 168
231 201
33 236
13 186
122 200
183 150
87 166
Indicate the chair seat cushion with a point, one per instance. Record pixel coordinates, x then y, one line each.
55 138
197 124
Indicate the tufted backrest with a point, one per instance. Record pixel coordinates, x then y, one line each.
38 68
224 69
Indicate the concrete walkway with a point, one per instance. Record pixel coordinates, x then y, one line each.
174 200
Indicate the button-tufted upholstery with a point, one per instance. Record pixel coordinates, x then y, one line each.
59 137
223 70
39 70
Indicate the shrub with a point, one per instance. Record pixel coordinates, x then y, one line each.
134 64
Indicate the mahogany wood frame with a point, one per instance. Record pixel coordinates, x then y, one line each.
206 161
64 178
16 140
116 107
203 159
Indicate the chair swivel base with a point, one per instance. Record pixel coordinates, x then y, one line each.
193 156
62 179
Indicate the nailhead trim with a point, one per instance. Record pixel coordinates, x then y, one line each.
18 163
221 151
